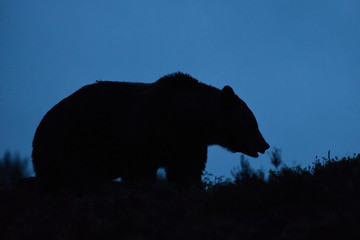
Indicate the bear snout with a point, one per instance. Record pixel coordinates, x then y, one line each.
259 147
261 144
265 147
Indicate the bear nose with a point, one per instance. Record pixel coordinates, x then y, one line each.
262 144
266 146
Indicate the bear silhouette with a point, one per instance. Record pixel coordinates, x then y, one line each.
108 130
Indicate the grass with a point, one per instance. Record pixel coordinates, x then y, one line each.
321 201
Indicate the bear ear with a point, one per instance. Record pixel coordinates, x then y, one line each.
227 96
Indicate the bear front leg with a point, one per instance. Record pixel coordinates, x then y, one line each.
186 168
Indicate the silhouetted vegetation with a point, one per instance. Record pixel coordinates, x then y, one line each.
12 169
317 202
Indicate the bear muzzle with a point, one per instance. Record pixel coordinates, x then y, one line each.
254 150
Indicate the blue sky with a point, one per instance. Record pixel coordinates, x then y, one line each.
295 63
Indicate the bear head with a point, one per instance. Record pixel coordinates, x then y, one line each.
239 128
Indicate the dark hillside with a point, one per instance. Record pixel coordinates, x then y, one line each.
318 202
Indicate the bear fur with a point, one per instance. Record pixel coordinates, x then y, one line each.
108 130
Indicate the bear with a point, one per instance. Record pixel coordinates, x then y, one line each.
109 130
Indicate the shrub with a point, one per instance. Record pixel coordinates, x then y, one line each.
12 169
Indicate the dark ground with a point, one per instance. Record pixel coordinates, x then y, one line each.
319 202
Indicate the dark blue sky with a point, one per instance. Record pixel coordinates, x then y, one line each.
295 63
